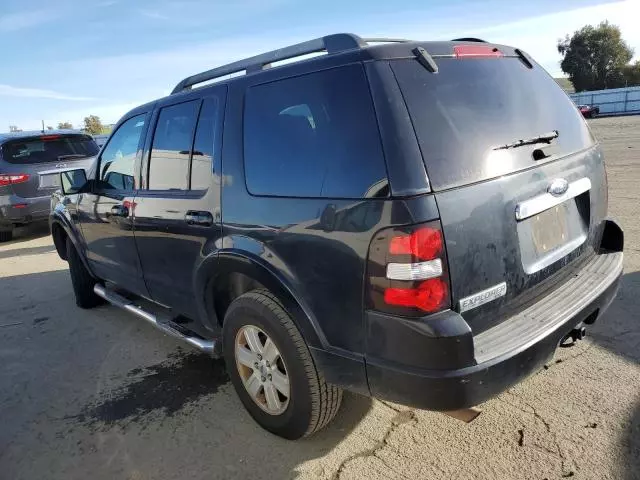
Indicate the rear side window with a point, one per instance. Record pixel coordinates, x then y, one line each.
314 136
169 162
471 106
48 148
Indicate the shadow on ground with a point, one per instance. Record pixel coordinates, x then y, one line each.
618 330
30 232
21 252
630 446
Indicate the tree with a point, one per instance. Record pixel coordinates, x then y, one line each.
14 128
631 74
65 126
49 127
595 57
93 125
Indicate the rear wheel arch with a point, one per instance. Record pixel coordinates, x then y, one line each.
235 275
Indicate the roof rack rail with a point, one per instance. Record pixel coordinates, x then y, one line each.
336 43
469 39
385 40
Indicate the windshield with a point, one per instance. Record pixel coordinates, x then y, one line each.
471 107
48 148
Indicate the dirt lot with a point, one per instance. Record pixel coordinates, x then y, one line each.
97 394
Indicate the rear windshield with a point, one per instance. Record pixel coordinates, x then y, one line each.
471 106
48 148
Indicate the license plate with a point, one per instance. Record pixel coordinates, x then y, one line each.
50 181
549 229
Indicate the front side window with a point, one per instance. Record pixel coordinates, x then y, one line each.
117 162
169 161
314 136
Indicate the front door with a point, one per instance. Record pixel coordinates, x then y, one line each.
178 208
106 213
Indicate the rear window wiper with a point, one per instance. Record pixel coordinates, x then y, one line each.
544 138
72 155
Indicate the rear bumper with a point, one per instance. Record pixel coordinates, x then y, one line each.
497 358
15 210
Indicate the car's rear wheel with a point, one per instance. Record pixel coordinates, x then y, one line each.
6 235
81 280
272 369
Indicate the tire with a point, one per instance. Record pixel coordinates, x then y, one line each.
6 235
81 280
312 402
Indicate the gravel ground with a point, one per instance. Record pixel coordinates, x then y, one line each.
98 394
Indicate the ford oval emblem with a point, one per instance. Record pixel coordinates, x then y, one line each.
558 187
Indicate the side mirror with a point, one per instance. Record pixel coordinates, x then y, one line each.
73 181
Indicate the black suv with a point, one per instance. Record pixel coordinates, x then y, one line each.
423 222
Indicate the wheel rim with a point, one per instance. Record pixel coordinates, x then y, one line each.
262 370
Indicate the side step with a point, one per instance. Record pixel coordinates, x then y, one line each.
207 346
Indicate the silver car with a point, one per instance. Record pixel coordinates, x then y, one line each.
25 195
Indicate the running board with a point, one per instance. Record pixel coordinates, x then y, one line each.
207 346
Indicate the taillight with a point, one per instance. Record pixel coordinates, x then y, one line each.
425 243
13 179
407 271
428 295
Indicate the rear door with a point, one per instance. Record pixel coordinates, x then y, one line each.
27 156
513 215
177 213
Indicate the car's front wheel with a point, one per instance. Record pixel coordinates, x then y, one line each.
272 369
81 280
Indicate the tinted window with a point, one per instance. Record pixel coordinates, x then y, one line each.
473 106
314 136
48 148
169 162
117 162
202 159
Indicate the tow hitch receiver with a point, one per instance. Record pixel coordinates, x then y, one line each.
573 336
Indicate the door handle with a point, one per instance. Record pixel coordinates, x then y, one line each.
204 219
119 211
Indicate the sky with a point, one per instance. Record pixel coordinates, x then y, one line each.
67 59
